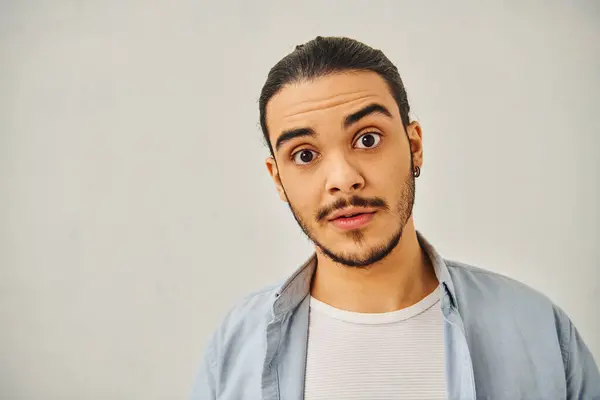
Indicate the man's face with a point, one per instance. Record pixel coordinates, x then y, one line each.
340 147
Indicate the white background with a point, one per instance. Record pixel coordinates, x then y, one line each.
135 207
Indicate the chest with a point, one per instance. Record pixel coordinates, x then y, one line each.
295 360
403 360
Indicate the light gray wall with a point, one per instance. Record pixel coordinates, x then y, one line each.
135 206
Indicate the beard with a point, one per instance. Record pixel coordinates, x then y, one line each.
403 209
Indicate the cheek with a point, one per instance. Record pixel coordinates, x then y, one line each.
385 174
303 192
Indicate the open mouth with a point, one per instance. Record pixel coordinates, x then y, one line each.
353 215
353 221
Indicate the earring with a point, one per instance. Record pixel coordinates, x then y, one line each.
417 172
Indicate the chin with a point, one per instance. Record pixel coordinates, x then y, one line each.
370 251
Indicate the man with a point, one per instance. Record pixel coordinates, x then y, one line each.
376 313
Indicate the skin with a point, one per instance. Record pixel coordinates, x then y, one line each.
380 267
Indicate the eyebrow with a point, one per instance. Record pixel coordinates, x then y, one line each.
368 110
292 134
351 119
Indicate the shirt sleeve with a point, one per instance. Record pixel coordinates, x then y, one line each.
204 384
581 371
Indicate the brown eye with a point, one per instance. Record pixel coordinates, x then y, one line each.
368 140
304 157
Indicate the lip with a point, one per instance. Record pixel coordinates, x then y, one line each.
361 218
351 211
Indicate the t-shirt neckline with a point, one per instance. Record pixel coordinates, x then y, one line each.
376 318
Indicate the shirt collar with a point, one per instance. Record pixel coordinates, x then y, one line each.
295 289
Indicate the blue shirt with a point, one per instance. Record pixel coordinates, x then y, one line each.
503 340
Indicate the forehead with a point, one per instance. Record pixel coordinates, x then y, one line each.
328 98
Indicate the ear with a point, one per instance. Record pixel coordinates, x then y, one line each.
274 172
415 138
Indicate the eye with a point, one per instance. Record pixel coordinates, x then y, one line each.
368 140
304 157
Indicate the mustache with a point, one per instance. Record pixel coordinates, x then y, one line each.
356 201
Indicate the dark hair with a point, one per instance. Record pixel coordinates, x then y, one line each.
327 55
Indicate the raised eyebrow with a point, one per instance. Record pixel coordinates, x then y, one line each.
374 108
292 134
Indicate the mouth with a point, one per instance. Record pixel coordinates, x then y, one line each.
351 212
351 220
352 215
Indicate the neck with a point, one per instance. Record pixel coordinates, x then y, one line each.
400 280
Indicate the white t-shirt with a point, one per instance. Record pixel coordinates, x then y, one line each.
394 355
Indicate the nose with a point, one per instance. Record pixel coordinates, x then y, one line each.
343 176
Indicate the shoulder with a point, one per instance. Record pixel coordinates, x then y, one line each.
484 297
248 311
228 343
245 321
471 283
499 305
